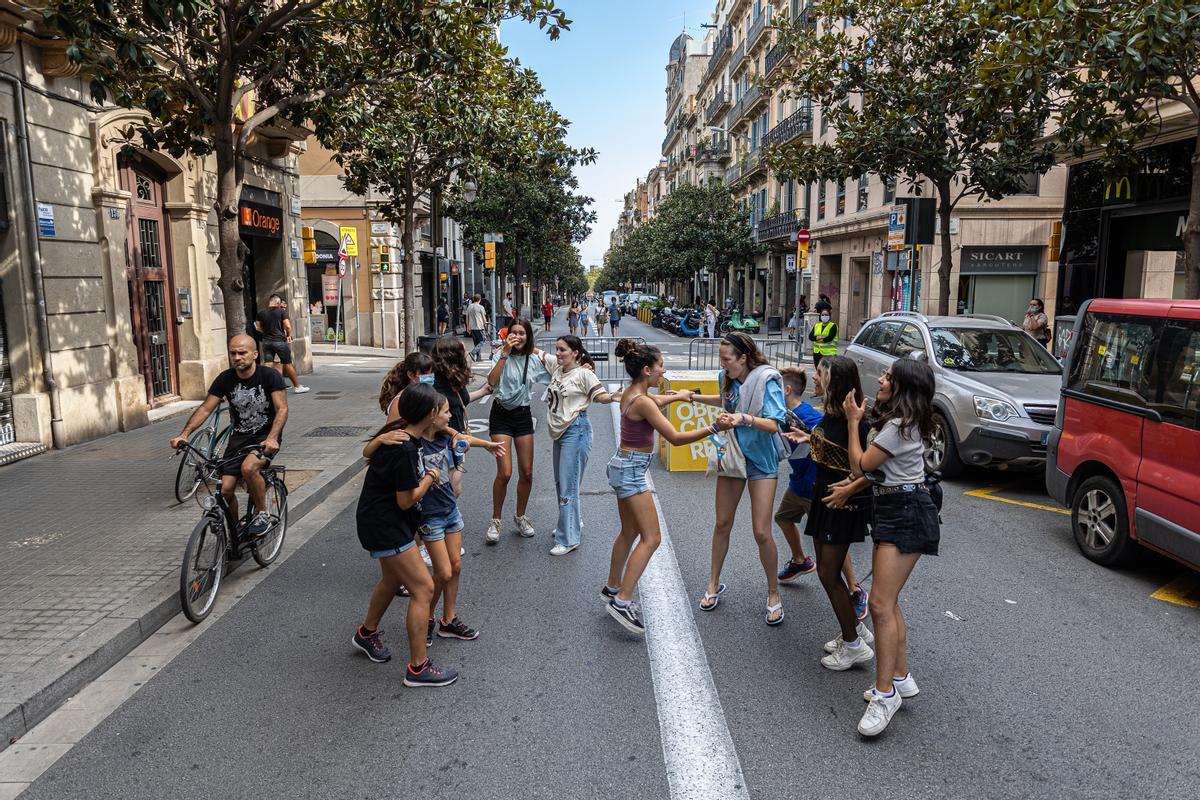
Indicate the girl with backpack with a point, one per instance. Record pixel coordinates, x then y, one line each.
752 402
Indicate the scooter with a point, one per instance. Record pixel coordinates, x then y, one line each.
691 323
745 324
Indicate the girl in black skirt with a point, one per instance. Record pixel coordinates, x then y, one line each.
836 520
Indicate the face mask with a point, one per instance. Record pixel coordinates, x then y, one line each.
824 318
1033 309
427 379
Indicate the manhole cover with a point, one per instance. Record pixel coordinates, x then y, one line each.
338 430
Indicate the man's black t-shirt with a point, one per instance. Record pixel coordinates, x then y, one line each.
458 403
250 408
382 524
271 320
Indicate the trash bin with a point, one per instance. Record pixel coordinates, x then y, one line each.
425 343
774 326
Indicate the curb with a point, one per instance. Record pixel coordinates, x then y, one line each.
25 703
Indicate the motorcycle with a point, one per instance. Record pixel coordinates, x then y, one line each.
739 323
691 323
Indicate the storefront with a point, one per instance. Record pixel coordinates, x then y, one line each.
998 280
260 223
1122 232
322 262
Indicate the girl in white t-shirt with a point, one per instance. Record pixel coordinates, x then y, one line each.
573 386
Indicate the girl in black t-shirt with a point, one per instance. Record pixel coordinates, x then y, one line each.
388 518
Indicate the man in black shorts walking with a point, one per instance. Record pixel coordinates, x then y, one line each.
276 330
257 398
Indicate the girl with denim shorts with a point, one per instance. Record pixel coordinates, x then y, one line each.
905 524
641 415
751 399
388 518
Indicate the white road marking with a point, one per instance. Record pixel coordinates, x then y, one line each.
701 761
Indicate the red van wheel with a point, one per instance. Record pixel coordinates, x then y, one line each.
1100 522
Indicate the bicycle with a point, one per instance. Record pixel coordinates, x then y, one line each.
205 441
211 551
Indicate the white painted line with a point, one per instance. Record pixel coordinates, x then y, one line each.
701 761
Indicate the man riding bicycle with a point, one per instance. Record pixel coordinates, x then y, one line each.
257 398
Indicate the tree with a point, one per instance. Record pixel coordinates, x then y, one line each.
1111 72
896 89
211 73
700 227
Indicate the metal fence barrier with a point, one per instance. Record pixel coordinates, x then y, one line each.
706 353
609 368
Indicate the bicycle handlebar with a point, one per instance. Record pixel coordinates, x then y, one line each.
220 462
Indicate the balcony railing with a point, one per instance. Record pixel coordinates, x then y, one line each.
776 56
752 96
672 132
720 50
780 226
746 166
805 19
756 29
739 56
719 104
798 124
717 151
732 173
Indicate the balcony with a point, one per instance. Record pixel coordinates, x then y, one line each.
798 124
776 56
717 151
757 27
749 100
733 173
806 19
720 49
750 164
739 56
719 105
780 226
672 132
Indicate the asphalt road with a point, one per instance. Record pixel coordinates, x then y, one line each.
1042 675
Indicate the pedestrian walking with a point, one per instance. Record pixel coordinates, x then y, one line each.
797 498
518 366
583 320
710 319
824 336
1036 323
443 316
641 416
388 518
275 330
837 520
476 325
573 318
509 309
905 524
601 317
752 399
614 317
547 313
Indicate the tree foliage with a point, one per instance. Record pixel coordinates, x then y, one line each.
892 86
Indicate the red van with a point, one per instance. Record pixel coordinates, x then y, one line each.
1124 453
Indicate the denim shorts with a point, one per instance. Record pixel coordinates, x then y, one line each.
627 473
434 529
753 473
391 551
908 520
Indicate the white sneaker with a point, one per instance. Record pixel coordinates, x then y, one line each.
425 557
562 550
462 551
301 389
493 532
845 656
906 687
879 713
524 526
862 630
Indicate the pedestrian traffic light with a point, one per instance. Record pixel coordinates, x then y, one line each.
385 258
489 255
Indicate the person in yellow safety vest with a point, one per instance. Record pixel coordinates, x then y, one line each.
824 336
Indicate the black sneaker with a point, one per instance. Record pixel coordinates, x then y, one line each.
429 633
455 629
429 675
372 645
259 525
629 615
607 593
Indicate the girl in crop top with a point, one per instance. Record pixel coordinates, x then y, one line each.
641 415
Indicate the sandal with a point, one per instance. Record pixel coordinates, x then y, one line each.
771 610
403 591
713 600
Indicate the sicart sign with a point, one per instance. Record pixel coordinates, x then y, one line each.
256 219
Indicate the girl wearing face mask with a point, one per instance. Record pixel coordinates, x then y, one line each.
824 336
1036 323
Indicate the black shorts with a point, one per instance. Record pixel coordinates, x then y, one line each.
908 520
272 349
512 422
236 443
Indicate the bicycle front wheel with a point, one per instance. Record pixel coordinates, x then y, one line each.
187 477
266 549
202 569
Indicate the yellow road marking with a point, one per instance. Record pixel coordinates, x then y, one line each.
1183 591
989 493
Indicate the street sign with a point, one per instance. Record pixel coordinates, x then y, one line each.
896 222
803 236
790 263
494 238
349 237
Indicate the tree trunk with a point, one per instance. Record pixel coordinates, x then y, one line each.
409 272
945 208
231 254
1191 233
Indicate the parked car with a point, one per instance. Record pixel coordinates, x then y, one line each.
1124 454
997 387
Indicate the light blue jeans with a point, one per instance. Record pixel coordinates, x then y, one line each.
571 451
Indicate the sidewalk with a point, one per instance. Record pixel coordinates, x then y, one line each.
93 537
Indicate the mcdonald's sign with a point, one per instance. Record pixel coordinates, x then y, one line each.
1118 190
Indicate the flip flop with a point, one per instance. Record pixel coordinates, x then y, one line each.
771 610
715 598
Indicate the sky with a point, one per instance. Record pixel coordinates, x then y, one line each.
607 75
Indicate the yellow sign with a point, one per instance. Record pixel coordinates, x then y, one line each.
349 239
688 417
1118 190
489 255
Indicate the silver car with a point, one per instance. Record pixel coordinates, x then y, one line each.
997 387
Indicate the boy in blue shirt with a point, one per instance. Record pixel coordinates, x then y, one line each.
797 500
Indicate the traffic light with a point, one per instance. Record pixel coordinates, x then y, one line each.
489 255
310 245
385 258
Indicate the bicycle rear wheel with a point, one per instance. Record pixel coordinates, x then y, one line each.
202 568
266 549
187 477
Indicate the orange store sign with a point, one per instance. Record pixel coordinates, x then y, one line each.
256 219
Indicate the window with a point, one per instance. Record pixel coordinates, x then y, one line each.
1030 183
821 200
1174 377
1115 352
889 190
910 341
864 193
880 336
841 198
991 350
824 123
